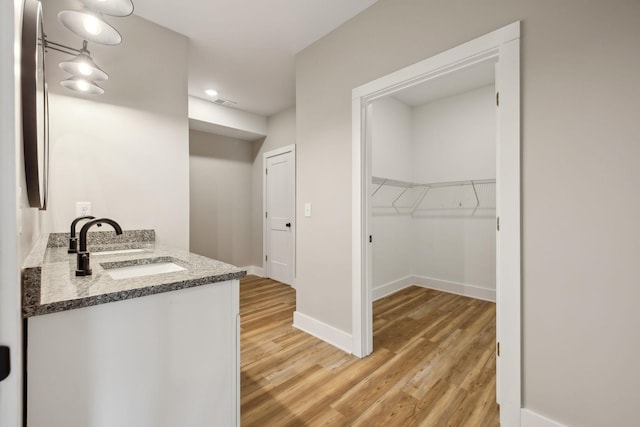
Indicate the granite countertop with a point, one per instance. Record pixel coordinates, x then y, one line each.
49 283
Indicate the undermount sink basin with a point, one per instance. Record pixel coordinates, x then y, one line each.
139 270
117 252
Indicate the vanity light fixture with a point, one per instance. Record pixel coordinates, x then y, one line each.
90 26
119 8
88 22
212 93
83 70
82 65
80 84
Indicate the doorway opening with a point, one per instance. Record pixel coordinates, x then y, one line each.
433 201
501 48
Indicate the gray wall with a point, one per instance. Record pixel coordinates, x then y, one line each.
220 197
580 147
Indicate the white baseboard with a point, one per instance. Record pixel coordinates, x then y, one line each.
440 285
254 270
391 287
327 333
456 288
529 418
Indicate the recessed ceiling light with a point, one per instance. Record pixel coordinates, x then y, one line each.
211 92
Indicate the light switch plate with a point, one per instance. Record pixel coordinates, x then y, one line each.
83 208
307 209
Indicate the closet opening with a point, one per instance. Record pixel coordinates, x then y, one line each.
433 197
432 206
436 167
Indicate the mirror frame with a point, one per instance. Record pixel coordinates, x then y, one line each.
35 109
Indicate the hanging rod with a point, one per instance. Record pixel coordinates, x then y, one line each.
457 183
392 182
405 184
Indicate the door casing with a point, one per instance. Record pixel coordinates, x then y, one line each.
11 396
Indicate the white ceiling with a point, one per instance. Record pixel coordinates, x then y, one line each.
464 80
246 49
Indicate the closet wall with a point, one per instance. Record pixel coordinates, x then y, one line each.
439 237
391 158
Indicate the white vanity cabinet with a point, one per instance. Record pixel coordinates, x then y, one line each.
164 360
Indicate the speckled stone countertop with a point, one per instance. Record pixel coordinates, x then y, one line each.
49 283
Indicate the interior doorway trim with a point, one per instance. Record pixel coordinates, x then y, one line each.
265 242
503 45
11 214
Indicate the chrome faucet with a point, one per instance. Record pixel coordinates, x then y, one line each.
73 240
84 265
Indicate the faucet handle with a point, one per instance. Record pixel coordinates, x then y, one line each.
73 240
73 245
83 265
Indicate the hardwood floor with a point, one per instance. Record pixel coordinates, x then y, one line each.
433 363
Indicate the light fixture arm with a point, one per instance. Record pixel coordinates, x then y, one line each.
48 44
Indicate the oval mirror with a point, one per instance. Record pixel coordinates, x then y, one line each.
35 121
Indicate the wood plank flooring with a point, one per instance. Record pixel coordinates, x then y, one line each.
433 363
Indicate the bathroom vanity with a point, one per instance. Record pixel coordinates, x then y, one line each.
137 343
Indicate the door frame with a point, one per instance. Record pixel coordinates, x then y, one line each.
265 233
504 46
11 396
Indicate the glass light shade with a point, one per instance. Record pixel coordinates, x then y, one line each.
83 66
82 85
90 26
110 7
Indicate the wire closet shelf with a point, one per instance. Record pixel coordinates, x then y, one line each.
411 197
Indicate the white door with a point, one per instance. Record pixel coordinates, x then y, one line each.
280 215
